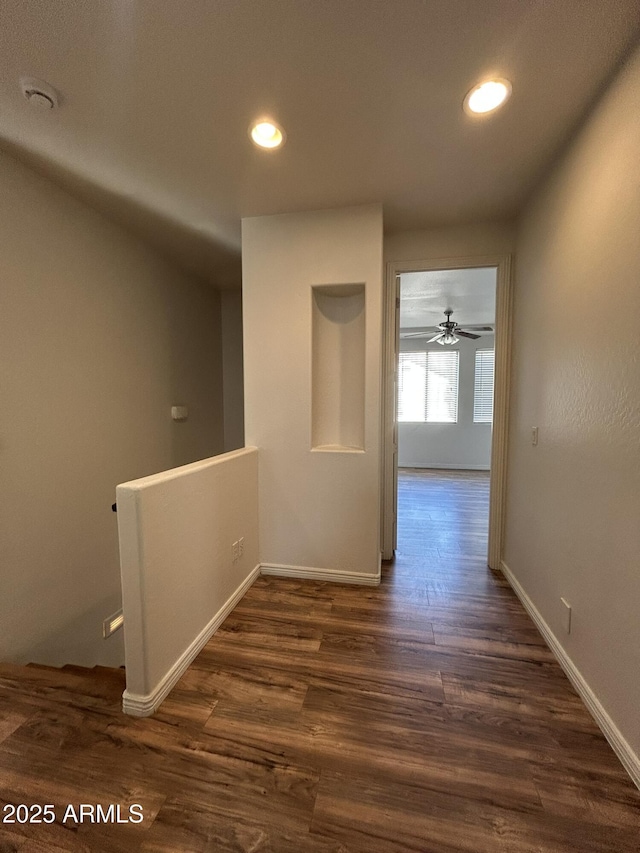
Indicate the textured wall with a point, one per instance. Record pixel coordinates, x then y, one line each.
233 383
573 525
454 241
317 509
99 337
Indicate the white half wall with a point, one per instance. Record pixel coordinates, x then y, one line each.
99 338
461 445
179 579
573 506
319 509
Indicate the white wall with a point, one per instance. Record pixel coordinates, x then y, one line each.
452 241
460 445
233 390
573 520
178 577
99 337
318 510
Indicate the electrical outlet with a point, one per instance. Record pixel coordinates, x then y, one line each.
566 615
534 436
241 546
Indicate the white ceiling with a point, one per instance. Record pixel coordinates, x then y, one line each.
470 293
156 98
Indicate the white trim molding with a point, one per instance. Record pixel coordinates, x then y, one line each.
630 761
138 705
445 466
499 437
311 573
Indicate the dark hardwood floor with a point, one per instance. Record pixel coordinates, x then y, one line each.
423 715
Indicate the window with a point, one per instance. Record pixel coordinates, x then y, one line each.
428 387
483 387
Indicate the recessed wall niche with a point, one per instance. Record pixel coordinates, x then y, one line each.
338 367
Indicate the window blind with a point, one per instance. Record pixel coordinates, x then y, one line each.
412 386
483 387
428 387
442 387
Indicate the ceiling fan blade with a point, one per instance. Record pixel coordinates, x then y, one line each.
416 334
478 328
466 335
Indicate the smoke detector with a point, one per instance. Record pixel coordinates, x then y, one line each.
38 93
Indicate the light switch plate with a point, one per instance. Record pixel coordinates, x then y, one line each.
179 413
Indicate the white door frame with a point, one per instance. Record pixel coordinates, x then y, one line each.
499 436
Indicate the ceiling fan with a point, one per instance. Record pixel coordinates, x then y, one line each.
448 331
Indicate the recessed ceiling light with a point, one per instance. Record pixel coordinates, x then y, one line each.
266 133
487 96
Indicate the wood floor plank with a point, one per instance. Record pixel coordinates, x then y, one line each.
196 830
238 680
366 674
493 643
265 632
581 799
386 748
10 720
402 818
422 716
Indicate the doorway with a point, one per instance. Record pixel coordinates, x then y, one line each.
445 410
500 265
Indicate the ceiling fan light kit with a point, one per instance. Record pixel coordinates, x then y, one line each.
446 338
449 332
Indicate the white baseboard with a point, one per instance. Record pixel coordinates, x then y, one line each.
629 759
139 705
445 465
310 573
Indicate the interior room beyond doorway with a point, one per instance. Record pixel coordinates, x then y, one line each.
445 409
